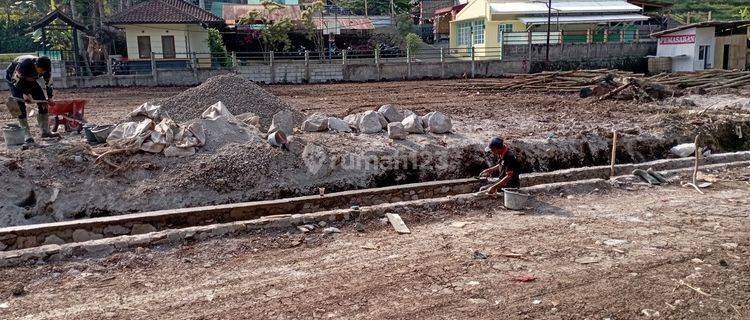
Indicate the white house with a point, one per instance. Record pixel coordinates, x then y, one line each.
705 45
171 29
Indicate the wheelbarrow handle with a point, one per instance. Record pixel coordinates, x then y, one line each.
30 101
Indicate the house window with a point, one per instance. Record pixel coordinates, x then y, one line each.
167 47
502 29
463 29
144 47
478 31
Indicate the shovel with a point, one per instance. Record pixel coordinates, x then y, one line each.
14 108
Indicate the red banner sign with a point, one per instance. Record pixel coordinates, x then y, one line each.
677 39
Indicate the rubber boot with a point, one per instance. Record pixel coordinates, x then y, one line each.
26 130
43 120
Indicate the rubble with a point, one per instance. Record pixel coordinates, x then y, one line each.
437 122
338 125
315 123
390 113
237 93
413 124
284 121
396 131
369 122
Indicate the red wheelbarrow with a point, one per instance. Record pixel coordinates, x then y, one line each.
69 113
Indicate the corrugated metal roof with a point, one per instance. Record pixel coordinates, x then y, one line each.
593 6
705 24
585 19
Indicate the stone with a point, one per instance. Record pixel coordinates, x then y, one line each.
53 239
330 230
369 122
310 226
390 113
588 260
615 242
80 235
729 245
338 125
98 249
116 230
425 118
303 229
360 227
353 120
397 223
18 290
396 131
407 113
284 121
439 123
382 119
413 124
322 224
141 228
315 123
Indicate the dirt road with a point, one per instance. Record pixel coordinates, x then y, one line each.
648 252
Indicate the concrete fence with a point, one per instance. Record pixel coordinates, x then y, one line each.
370 66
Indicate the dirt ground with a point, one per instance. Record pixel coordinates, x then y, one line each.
663 252
513 114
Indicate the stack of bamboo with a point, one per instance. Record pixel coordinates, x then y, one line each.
708 80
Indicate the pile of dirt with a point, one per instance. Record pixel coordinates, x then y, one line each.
238 94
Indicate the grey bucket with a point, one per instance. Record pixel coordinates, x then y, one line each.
90 137
13 135
102 132
515 199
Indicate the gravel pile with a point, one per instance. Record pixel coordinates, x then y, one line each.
238 94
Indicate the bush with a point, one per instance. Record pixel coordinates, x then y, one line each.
219 52
413 43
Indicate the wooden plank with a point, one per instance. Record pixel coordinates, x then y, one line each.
397 223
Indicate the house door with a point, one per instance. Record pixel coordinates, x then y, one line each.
725 61
704 56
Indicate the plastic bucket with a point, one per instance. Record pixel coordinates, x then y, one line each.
13 135
515 199
277 139
102 132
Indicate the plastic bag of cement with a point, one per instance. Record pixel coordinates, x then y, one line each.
130 134
216 111
150 111
161 137
683 150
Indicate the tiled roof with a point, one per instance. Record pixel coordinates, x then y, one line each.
164 11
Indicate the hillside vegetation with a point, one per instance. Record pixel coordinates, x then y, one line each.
720 9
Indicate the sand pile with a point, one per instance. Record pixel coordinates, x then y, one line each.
238 94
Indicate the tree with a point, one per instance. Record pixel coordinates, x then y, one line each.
273 34
413 43
376 7
745 13
314 34
218 50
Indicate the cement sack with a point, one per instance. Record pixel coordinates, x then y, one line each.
315 123
396 131
283 121
250 119
150 111
184 137
130 135
216 111
338 125
161 137
390 113
439 123
369 122
413 124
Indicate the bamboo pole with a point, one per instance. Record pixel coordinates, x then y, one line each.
614 154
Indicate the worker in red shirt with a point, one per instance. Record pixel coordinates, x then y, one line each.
508 168
22 76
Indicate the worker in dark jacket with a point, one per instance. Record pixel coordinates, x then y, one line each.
22 76
508 168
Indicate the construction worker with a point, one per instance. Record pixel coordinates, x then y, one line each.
508 169
22 76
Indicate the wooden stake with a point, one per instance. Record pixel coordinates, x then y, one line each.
697 159
614 154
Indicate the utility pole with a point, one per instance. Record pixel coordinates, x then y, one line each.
549 22
365 8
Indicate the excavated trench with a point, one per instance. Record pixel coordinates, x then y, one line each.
461 160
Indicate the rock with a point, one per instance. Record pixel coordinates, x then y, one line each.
315 123
322 224
173 151
250 119
588 260
353 120
615 242
439 123
330 230
98 249
369 122
413 124
53 239
650 313
683 150
396 131
383 121
141 228
303 229
408 113
284 121
478 255
729 245
309 226
425 117
80 235
338 125
359 227
390 113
